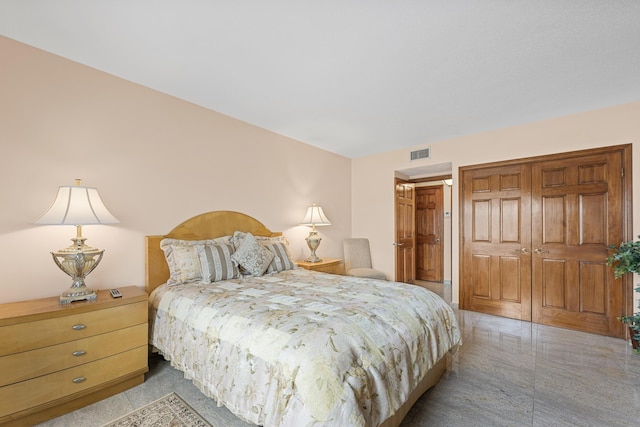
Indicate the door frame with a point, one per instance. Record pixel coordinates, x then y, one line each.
440 244
405 231
627 206
395 225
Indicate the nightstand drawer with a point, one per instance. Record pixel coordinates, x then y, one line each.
42 361
37 361
40 390
42 333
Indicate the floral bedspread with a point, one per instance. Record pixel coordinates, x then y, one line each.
301 348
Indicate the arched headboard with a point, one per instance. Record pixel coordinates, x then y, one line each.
204 226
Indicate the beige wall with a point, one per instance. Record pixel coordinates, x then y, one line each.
156 161
372 177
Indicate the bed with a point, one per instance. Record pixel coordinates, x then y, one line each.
290 347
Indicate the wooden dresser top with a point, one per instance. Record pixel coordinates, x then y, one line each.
46 308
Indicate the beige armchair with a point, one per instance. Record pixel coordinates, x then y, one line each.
357 259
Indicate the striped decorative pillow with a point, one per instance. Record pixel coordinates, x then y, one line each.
216 262
281 260
182 258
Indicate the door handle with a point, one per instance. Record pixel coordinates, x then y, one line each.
398 244
539 251
523 251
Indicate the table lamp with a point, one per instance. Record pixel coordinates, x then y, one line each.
314 217
77 205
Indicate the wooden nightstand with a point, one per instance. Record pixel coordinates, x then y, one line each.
327 265
55 359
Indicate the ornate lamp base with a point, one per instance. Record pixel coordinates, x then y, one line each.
79 293
78 260
313 241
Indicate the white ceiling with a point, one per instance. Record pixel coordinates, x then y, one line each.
355 77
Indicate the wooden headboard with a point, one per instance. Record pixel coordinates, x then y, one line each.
205 226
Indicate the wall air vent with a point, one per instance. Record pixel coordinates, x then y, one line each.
425 153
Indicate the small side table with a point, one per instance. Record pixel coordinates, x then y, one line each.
327 265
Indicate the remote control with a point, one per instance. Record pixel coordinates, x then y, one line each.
115 293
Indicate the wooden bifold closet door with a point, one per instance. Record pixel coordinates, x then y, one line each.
535 236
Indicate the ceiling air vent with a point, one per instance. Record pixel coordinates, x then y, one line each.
425 153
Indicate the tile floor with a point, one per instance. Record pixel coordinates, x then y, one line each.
507 373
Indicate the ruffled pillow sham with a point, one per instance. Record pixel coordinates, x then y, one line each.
212 260
183 260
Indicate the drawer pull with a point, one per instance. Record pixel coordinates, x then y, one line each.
79 353
78 327
78 380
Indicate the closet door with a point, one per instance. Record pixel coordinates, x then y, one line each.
496 270
577 213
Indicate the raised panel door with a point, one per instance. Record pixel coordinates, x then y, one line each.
562 216
405 231
429 233
496 275
577 205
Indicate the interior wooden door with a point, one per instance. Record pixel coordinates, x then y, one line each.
496 264
577 205
429 233
405 231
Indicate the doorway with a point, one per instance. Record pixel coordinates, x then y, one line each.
405 231
430 233
535 235
410 247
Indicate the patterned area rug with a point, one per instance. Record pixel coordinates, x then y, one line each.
170 411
